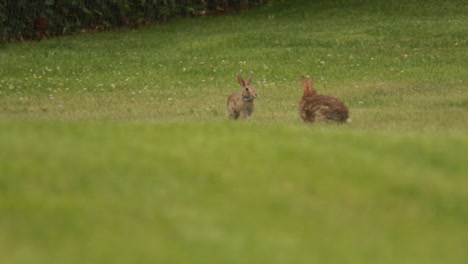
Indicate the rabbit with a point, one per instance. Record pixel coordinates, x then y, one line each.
241 105
317 107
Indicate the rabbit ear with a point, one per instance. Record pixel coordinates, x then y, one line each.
305 84
250 79
312 91
241 81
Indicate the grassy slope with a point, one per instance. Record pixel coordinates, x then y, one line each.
395 69
151 171
131 192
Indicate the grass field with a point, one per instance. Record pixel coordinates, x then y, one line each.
115 147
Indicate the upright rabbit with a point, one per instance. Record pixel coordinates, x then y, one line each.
242 104
316 107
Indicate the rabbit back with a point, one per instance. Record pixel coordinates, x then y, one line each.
323 108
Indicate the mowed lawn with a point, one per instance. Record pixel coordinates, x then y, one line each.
115 147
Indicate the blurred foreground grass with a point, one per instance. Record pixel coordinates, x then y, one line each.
229 192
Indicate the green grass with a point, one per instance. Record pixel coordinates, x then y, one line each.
115 146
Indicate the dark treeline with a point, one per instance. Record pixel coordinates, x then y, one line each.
35 19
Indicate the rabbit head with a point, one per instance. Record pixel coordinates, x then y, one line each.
249 93
309 90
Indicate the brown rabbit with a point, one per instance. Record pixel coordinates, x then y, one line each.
317 107
242 104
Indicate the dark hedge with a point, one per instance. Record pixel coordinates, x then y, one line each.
35 19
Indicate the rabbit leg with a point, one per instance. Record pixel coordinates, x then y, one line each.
244 114
233 115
